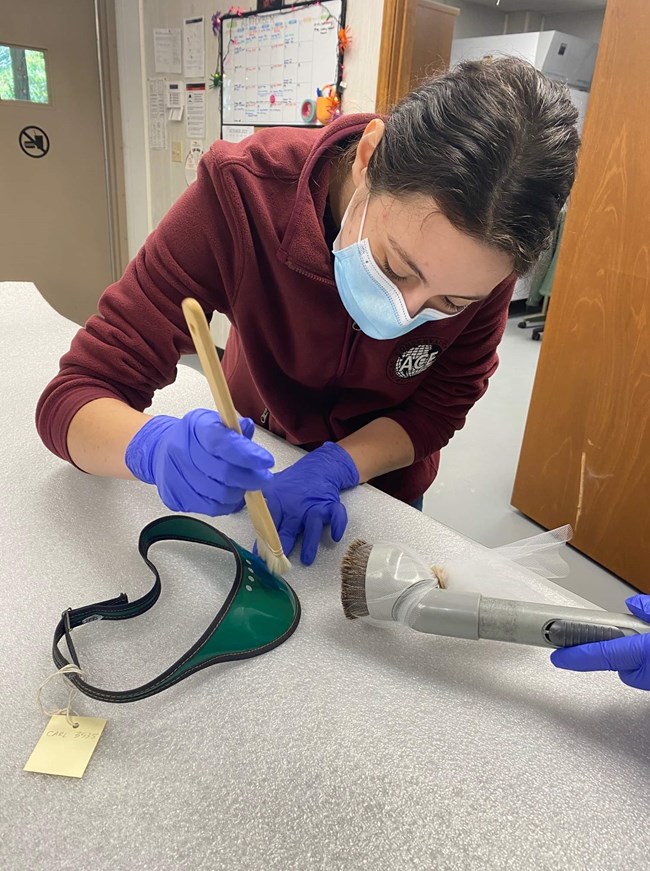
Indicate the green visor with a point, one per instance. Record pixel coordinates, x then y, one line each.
259 613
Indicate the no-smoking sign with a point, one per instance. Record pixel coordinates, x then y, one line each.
34 142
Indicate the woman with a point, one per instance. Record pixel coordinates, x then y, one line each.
366 270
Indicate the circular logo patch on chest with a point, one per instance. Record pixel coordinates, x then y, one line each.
409 361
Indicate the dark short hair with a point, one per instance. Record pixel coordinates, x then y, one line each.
495 143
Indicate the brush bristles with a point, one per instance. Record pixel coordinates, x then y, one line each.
276 563
353 579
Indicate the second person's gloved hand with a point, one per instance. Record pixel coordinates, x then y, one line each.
629 656
198 464
306 497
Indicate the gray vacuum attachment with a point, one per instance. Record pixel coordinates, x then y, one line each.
427 608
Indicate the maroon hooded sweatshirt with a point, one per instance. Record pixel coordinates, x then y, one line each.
248 239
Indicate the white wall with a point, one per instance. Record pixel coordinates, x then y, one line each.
361 63
587 25
479 20
523 22
476 20
167 178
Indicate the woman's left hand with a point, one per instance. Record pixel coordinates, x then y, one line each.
306 498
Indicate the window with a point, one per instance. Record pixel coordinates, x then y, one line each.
23 74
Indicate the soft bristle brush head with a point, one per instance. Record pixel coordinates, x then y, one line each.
277 564
353 579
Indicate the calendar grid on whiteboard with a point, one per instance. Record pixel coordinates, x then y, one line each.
275 60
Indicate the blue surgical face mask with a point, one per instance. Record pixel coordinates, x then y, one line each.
370 297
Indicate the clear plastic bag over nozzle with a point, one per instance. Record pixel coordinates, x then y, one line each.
398 579
391 570
498 571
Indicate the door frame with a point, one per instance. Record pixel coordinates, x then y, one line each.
395 52
109 88
396 49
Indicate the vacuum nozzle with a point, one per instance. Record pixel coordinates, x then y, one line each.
374 577
391 583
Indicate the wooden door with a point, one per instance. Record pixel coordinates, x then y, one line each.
433 35
585 458
416 41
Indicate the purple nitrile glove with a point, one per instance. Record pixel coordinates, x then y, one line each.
306 498
198 464
629 656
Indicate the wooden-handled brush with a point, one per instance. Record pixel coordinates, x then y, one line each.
268 540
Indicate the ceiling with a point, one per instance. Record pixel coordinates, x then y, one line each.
543 5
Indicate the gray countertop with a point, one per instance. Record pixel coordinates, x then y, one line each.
348 747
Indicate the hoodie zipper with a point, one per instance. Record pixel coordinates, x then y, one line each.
352 337
312 275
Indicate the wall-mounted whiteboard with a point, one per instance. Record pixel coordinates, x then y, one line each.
273 61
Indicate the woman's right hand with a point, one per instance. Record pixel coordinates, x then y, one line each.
198 464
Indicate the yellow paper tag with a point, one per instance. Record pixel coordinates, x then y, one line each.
61 749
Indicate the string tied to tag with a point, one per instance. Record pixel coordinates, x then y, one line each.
67 712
